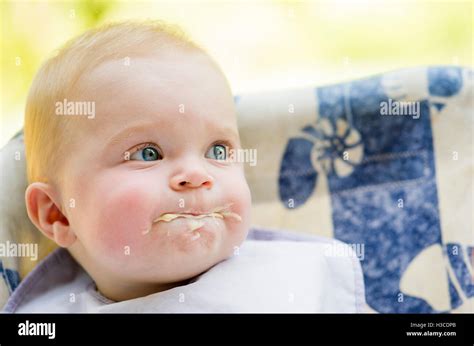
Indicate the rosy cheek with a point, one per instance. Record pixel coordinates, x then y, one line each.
239 194
122 217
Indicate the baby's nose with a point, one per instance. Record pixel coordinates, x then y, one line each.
192 178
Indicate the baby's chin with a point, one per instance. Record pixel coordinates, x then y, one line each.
181 249
186 254
190 237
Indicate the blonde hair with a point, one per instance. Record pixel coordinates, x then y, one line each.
43 129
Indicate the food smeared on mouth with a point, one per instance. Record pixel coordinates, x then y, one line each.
195 220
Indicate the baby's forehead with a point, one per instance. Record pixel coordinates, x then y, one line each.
181 81
159 89
171 68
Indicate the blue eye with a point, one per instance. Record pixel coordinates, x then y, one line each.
147 153
217 152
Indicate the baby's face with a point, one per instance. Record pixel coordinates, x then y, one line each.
155 147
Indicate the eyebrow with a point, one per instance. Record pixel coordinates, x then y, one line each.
228 131
127 133
131 131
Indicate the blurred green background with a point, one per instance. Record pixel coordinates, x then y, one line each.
260 45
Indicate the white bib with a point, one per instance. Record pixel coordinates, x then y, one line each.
265 276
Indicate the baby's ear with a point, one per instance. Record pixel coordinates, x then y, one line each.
45 213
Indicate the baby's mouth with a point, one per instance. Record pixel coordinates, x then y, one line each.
195 219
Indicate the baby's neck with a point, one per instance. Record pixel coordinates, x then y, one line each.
123 292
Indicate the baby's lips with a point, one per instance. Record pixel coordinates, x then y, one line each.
232 215
218 212
196 221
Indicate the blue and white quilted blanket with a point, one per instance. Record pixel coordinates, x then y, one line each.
384 164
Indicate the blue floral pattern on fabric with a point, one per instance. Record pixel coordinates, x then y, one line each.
11 277
395 163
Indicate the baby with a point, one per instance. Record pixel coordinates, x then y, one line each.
128 130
